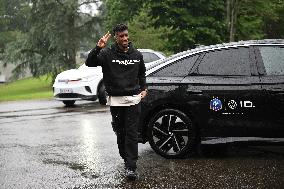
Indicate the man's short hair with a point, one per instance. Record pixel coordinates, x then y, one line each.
119 28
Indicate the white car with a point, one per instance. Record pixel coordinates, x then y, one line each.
86 83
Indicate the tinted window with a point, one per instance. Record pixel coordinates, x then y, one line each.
273 60
178 68
149 57
233 61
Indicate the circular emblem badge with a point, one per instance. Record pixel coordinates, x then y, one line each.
215 104
232 104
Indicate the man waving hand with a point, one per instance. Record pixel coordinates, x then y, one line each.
124 78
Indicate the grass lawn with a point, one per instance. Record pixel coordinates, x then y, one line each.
25 89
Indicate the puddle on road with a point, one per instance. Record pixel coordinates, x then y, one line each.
53 110
90 175
86 172
74 166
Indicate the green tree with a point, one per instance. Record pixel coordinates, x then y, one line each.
192 22
254 19
13 20
209 22
50 46
136 14
120 11
273 19
144 35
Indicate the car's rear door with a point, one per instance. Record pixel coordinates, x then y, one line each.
230 91
270 59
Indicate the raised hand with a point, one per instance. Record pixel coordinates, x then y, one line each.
103 41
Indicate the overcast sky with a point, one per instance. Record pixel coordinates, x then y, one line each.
90 8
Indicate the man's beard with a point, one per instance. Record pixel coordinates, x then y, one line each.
125 44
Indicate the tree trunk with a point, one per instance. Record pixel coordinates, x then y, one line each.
228 15
72 42
232 14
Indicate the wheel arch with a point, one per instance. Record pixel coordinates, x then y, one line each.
189 111
101 82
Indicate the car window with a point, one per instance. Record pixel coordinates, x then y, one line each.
232 61
149 57
273 60
177 68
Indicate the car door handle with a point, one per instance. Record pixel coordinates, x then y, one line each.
278 91
194 91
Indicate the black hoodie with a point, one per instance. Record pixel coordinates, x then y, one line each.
123 72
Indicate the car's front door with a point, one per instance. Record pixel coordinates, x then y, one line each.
231 91
165 82
271 66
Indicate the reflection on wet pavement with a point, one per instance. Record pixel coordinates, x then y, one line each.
60 147
28 110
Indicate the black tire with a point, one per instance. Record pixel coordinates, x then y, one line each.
102 95
171 133
69 103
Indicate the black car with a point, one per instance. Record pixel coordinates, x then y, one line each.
222 93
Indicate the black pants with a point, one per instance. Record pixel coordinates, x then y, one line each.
125 124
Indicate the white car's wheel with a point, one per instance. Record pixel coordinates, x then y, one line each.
102 95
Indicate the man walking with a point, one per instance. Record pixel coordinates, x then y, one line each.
124 78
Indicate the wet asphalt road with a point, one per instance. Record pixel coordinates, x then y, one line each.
46 145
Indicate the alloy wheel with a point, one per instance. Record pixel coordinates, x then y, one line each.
171 133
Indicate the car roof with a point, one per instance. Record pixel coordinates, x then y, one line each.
160 54
146 50
214 47
228 45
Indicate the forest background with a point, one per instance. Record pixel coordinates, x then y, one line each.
44 36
